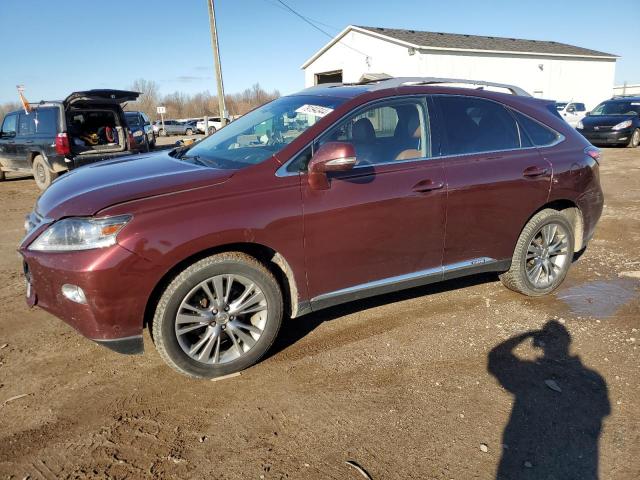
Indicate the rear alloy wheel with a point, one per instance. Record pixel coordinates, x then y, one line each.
189 132
219 316
542 256
42 174
635 139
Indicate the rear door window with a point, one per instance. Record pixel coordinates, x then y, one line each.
474 125
26 124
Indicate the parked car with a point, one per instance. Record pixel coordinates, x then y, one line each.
383 186
613 122
572 112
193 125
141 131
57 136
215 124
174 127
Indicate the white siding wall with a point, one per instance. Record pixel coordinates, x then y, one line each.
561 78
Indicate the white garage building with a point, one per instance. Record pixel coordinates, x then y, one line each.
545 69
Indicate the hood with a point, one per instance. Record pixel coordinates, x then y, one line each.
605 120
102 96
94 187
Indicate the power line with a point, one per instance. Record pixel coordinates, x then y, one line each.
307 20
275 3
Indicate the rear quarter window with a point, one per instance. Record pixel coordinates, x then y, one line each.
47 121
534 133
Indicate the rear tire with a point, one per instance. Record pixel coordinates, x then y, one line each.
42 174
212 130
201 327
542 256
189 132
634 141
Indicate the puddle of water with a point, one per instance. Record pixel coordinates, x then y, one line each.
600 298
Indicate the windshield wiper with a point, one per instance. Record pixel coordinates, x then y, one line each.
194 159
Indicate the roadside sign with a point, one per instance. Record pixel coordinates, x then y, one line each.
161 110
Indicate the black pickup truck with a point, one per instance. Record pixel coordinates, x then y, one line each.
57 136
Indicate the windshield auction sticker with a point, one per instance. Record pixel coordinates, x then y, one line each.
315 110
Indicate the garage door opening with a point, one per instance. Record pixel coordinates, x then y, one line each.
329 77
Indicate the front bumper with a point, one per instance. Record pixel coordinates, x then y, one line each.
618 137
117 284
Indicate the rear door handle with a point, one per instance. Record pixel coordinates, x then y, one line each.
427 186
535 171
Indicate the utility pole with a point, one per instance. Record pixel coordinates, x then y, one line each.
216 59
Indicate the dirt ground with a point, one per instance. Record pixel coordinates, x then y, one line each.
398 384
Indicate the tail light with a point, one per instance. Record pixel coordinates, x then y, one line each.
62 144
593 152
132 140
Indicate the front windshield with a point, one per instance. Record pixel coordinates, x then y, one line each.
261 133
617 107
133 119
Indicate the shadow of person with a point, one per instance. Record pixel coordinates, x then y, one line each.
557 413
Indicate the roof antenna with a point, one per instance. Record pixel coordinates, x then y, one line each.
23 100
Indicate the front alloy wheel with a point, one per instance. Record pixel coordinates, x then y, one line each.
221 319
218 316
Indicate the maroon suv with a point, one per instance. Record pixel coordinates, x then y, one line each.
334 194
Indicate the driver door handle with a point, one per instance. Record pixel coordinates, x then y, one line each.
428 185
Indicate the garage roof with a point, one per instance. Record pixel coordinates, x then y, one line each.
471 43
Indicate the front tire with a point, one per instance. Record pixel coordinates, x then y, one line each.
218 316
42 174
189 132
212 130
542 256
635 139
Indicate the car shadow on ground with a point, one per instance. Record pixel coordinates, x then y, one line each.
558 408
295 329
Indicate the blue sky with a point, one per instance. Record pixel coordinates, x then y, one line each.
54 47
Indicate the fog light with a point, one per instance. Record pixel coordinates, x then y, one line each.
74 293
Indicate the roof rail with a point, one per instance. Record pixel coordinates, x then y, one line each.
407 81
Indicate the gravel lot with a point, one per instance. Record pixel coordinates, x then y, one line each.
398 384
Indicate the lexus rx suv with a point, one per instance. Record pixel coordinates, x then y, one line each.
331 195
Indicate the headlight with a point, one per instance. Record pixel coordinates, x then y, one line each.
622 125
77 233
138 133
579 125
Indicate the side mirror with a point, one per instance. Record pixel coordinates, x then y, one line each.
330 157
587 114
